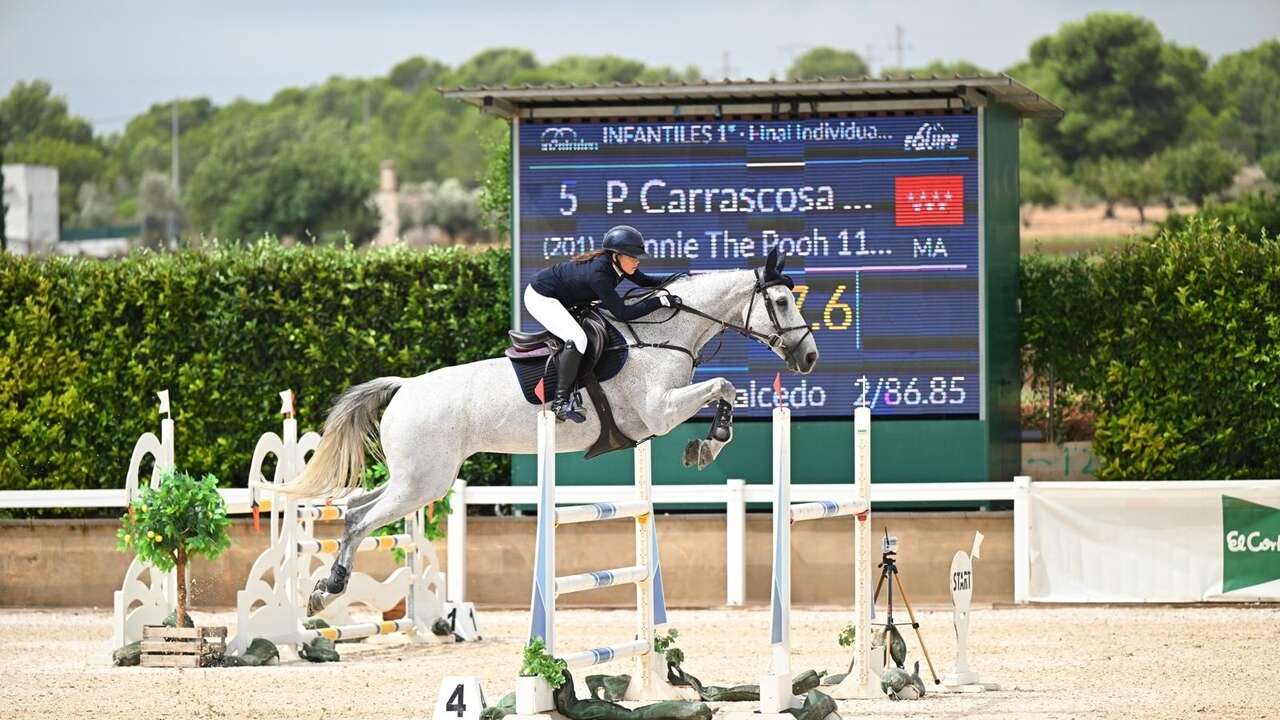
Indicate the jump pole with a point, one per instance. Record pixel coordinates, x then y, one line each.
775 685
645 574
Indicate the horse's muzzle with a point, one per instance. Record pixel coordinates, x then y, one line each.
805 365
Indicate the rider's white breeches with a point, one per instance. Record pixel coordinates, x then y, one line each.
555 317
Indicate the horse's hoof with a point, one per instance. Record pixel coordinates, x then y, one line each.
705 455
691 453
320 597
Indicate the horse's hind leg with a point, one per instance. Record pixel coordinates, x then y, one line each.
410 486
365 498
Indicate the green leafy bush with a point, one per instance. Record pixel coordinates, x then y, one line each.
86 344
1176 343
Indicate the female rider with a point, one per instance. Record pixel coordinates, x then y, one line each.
591 276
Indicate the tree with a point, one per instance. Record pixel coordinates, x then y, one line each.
1270 164
940 68
147 141
1246 86
495 186
40 131
1091 175
1137 183
284 176
169 525
1126 91
1200 169
417 73
1040 178
94 206
495 66
828 63
32 110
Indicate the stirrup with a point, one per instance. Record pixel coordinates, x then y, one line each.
567 409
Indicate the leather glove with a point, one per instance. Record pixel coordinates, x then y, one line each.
670 301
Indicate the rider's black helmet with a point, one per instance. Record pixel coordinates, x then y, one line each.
625 240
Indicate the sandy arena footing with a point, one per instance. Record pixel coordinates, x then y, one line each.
1073 662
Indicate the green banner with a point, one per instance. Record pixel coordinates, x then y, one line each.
1250 544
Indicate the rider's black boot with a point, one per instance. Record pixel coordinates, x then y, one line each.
567 371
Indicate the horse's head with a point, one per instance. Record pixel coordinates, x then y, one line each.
772 312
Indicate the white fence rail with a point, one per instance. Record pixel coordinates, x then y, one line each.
733 495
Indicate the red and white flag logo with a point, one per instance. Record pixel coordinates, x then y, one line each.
929 200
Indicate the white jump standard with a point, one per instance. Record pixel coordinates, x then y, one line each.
775 684
648 683
138 602
273 604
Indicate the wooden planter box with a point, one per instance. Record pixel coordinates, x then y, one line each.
182 647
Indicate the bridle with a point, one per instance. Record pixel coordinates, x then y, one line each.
774 341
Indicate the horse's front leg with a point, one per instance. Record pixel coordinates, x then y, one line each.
676 405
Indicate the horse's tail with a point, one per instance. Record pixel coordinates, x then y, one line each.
337 466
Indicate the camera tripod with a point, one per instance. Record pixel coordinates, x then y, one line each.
889 575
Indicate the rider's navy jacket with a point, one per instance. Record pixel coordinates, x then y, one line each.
578 283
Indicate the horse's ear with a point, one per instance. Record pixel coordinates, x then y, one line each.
771 263
782 262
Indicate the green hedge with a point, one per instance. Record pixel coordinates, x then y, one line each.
1177 342
86 344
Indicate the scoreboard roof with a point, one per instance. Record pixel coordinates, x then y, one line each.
748 97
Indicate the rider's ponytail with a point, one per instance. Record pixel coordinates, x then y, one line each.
588 256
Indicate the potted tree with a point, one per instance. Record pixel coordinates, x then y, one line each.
166 527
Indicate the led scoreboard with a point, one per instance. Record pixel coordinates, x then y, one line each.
877 217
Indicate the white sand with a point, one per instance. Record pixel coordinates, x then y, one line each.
1126 662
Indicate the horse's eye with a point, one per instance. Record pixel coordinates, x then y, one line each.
780 302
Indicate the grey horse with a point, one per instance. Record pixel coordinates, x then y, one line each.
437 420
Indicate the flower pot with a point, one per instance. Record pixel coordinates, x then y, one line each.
533 695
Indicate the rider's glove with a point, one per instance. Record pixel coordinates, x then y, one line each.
670 300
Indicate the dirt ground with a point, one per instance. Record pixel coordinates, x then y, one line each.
1088 221
1077 662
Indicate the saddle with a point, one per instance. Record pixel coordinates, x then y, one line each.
533 357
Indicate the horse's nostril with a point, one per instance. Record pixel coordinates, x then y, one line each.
811 358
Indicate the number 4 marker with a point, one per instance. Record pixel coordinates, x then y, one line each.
460 698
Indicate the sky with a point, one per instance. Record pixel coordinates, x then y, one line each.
112 60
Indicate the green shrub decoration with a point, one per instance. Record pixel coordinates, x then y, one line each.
1174 343
85 344
537 662
167 526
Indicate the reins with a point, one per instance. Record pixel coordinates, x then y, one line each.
774 341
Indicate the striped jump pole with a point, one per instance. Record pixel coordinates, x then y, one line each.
645 574
775 684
